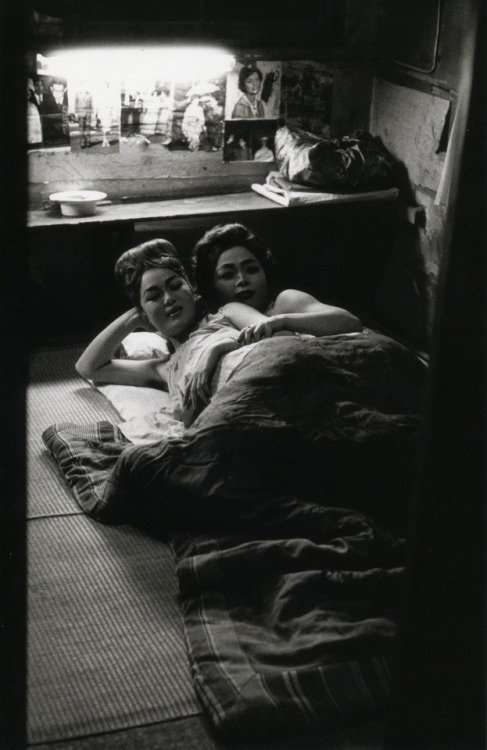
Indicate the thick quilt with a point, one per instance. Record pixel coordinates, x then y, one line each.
281 498
292 629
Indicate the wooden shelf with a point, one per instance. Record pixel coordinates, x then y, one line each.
153 210
230 203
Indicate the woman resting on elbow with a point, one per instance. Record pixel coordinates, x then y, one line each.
163 301
234 272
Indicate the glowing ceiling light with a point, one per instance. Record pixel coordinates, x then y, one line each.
133 62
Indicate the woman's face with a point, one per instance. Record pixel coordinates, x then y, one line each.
252 84
239 277
168 302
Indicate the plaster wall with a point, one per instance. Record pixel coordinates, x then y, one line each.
413 113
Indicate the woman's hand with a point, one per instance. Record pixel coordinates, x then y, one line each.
198 389
264 329
141 320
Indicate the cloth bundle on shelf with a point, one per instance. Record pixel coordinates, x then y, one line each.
350 163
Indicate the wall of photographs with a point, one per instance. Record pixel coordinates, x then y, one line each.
152 108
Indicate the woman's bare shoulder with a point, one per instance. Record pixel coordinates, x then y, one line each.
291 300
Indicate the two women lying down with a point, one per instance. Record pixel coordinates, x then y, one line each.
282 396
237 307
279 496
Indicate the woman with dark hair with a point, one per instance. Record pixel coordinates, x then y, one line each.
249 106
164 301
234 272
132 264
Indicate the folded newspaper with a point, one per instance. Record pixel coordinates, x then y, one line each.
280 190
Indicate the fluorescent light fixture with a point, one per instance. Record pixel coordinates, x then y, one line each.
137 63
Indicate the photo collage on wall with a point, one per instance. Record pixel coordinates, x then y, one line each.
236 113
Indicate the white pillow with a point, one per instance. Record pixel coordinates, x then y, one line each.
145 345
133 401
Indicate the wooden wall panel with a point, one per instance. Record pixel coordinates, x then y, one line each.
140 176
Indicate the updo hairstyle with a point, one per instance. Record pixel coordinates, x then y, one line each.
132 264
213 243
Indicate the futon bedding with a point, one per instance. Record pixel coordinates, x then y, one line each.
285 500
292 629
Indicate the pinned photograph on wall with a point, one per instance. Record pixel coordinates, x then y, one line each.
306 93
198 115
253 91
156 112
146 113
47 112
184 115
94 115
249 141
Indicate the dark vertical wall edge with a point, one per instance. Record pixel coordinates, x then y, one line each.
14 327
440 697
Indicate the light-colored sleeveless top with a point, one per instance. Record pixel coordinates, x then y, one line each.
184 361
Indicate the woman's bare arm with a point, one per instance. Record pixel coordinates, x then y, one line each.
98 363
241 315
294 312
252 324
302 313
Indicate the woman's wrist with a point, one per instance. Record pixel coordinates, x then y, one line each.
132 319
101 350
226 346
281 323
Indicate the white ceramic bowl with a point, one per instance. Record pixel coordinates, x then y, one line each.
78 202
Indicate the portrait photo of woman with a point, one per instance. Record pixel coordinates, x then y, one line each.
253 91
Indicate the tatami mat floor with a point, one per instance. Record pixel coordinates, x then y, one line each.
106 647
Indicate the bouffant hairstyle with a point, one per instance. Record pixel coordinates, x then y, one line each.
131 266
213 243
247 71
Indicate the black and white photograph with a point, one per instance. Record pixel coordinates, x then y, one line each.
49 95
95 116
242 297
249 141
253 91
175 114
198 115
